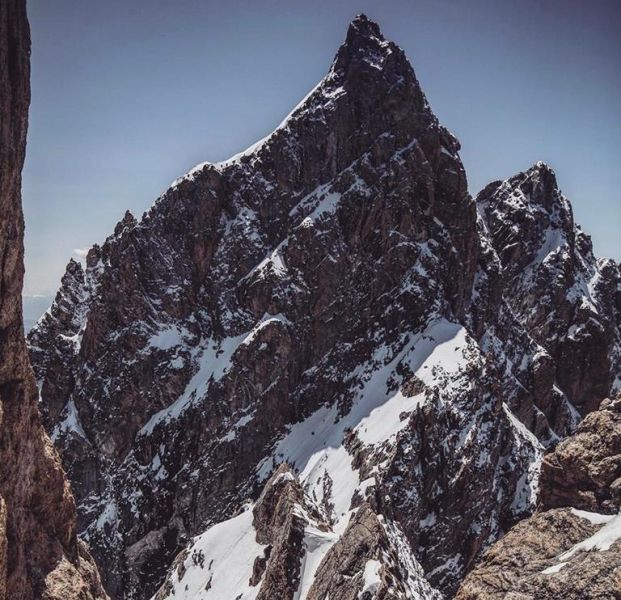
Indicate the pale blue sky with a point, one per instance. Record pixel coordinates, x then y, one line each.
129 95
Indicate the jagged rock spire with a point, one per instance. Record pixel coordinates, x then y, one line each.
366 56
363 38
128 220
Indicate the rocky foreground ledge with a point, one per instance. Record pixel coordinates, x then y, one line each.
571 547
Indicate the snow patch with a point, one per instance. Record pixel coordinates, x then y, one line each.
372 579
219 563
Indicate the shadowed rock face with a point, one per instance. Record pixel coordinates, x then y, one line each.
333 299
40 556
568 552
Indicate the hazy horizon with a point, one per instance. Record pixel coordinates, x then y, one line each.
128 97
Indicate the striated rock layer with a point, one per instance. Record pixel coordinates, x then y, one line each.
40 555
571 548
316 368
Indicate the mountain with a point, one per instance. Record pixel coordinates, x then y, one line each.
321 368
40 555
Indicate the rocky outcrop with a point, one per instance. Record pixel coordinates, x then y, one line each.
564 552
40 556
545 304
542 558
331 299
584 471
280 517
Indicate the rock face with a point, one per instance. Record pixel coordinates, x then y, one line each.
40 556
568 300
331 299
566 552
584 470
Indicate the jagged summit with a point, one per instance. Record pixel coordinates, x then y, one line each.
542 166
363 26
329 299
73 266
128 220
253 295
363 42
368 75
537 172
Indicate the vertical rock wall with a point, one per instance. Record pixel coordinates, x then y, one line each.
40 556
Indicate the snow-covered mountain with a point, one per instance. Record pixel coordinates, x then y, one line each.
321 368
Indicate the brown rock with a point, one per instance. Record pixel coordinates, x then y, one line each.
280 525
583 471
513 568
580 473
341 573
40 556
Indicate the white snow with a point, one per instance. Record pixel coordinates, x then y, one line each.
440 345
273 263
600 540
553 240
108 515
528 484
554 568
592 517
241 422
316 545
372 579
219 563
168 337
214 359
71 422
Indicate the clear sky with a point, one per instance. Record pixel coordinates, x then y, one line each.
130 94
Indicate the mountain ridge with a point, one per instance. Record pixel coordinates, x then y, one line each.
331 299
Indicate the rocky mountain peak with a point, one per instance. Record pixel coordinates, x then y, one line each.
362 26
364 44
556 287
369 90
290 331
540 185
73 270
529 218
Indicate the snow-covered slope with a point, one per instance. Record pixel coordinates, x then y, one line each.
328 307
